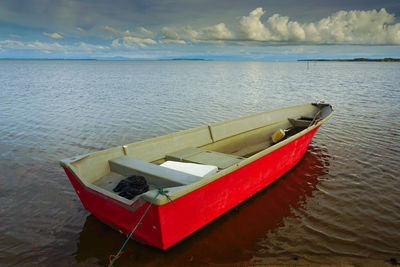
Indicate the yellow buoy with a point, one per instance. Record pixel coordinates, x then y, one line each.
278 135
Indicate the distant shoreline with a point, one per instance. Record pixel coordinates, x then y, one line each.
115 59
207 59
387 59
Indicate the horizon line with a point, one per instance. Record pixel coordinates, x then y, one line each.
381 59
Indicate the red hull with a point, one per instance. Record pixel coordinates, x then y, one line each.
165 225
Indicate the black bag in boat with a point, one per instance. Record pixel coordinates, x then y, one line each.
132 186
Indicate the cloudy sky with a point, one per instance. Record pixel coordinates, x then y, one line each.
217 29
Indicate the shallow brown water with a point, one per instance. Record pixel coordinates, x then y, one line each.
339 205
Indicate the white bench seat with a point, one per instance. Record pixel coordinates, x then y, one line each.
164 177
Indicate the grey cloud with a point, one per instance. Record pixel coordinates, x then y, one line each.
79 29
66 15
170 34
311 21
145 31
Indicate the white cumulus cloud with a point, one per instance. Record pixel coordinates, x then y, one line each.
344 27
53 46
54 35
128 39
131 42
253 28
211 34
217 32
351 27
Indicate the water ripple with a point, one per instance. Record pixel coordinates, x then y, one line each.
341 203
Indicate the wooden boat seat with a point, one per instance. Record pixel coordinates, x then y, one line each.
153 173
203 156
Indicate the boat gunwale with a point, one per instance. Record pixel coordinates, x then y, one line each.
179 191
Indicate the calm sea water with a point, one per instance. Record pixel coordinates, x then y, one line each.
340 204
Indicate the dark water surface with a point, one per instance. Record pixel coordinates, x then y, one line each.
339 205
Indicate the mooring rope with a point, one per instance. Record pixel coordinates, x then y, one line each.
115 257
161 191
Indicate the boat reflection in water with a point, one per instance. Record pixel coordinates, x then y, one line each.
231 238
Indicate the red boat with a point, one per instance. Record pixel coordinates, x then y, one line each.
193 176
